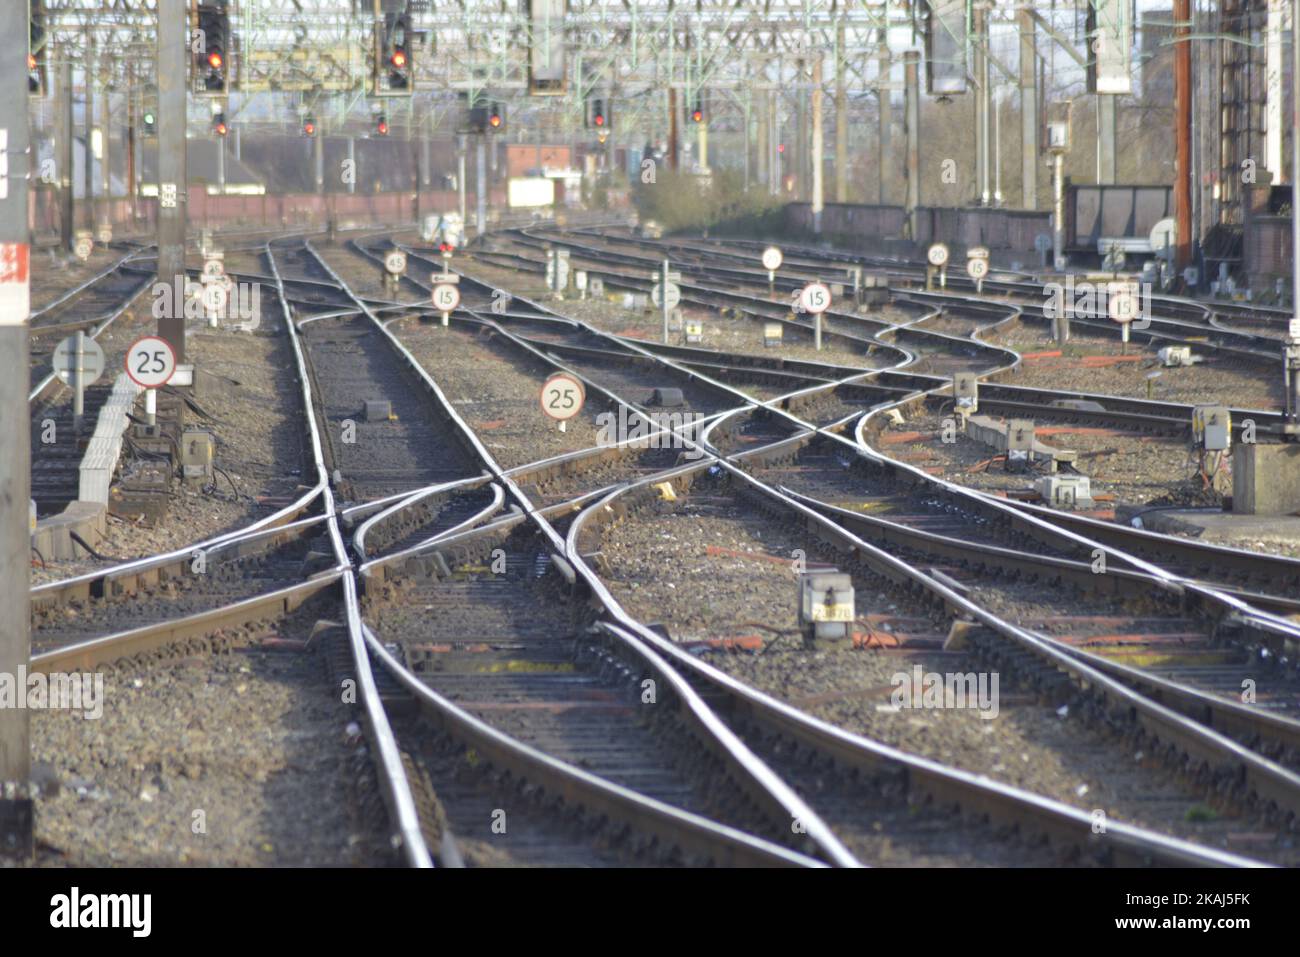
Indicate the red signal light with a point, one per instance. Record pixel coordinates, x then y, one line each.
383 128
780 147
214 60
494 119
221 129
309 129
697 116
31 62
444 247
600 119
399 58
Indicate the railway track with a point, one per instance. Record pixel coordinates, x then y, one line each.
522 642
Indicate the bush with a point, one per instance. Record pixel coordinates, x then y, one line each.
685 201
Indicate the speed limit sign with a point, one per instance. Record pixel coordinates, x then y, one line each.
150 362
977 267
772 259
815 298
1123 301
446 297
937 255
395 262
562 397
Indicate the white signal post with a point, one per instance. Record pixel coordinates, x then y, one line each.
1122 304
977 266
815 298
936 258
151 363
562 398
772 260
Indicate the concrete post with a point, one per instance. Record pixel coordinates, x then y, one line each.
66 162
980 66
173 178
1106 159
1028 111
816 151
15 422
912 96
841 119
885 162
88 126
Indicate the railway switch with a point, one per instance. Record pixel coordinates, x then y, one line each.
378 410
772 334
196 454
667 397
1212 428
826 610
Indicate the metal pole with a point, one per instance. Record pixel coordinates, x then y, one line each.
15 422
88 125
886 107
1295 165
774 139
480 185
816 152
841 119
764 153
132 118
105 154
672 130
173 50
318 146
1182 133
460 176
801 110
221 165
66 163
981 70
912 95
79 384
1106 159
663 299
1058 209
1028 111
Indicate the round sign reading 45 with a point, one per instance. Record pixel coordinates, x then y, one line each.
150 362
563 396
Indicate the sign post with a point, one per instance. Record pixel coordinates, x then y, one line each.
446 294
16 172
151 362
815 298
977 266
936 258
1122 304
562 398
772 260
78 362
666 294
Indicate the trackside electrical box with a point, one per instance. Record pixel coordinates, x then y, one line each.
1212 427
826 609
197 447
